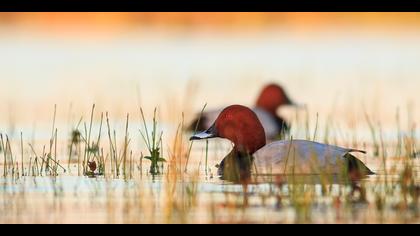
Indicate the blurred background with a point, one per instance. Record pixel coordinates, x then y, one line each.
338 64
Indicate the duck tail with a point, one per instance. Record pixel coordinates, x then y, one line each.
355 165
357 150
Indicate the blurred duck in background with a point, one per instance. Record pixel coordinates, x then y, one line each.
271 98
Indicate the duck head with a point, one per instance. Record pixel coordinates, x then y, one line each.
241 126
272 97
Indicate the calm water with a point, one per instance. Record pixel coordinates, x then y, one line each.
200 198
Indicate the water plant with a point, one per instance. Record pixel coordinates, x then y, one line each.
153 144
191 143
116 158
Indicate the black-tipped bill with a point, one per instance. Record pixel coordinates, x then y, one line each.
294 104
289 102
209 133
298 105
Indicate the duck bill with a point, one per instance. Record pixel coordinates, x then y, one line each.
289 102
209 133
298 106
294 104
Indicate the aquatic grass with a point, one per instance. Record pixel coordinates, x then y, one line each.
4 156
52 135
176 150
191 143
75 140
126 142
118 159
153 144
44 167
7 163
11 160
373 133
88 147
21 148
207 154
316 127
398 150
112 152
308 135
55 153
384 155
95 150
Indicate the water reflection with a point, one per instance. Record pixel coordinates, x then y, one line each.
199 199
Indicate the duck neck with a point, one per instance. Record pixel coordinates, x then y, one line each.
270 108
236 166
248 144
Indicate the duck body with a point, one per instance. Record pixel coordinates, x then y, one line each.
306 157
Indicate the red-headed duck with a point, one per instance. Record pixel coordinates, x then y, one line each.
242 127
270 99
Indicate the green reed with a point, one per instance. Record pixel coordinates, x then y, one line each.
191 143
153 144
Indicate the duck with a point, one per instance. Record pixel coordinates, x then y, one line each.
251 154
270 99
